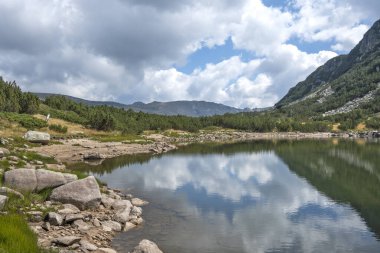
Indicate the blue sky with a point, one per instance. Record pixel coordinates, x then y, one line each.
243 53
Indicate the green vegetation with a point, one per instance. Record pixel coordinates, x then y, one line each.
16 236
25 120
58 128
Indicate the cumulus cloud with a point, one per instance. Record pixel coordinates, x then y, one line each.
125 50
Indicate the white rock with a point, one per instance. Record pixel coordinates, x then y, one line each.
3 201
121 204
128 226
37 137
106 250
139 202
137 211
73 217
69 209
115 226
146 246
87 245
106 201
81 225
122 216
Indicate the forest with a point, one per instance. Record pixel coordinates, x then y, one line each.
13 101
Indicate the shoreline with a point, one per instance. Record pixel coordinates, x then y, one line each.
92 151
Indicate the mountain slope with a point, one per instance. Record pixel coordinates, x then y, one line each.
188 108
342 84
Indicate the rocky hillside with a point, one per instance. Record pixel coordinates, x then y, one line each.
344 83
188 108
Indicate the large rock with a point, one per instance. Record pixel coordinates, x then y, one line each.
113 225
3 201
49 179
146 246
21 179
37 137
82 193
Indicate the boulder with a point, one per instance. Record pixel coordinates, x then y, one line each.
137 211
49 179
21 179
37 137
107 201
146 246
3 201
82 193
93 156
55 219
66 240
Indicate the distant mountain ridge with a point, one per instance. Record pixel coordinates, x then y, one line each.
188 108
342 84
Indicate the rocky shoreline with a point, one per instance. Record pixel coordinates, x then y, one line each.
78 216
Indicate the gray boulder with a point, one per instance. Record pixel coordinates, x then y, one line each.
70 177
4 152
37 137
21 179
3 201
146 246
113 225
49 179
82 193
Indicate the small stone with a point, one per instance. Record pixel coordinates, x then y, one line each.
136 220
46 226
81 225
75 246
106 250
55 219
35 216
67 240
146 246
73 217
139 202
128 226
69 209
119 205
115 226
87 245
96 222
137 211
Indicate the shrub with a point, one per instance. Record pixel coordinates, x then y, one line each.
25 120
58 128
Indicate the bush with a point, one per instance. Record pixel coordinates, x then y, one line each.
25 120
58 128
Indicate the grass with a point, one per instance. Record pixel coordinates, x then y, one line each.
16 236
33 156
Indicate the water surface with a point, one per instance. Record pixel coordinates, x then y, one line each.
263 196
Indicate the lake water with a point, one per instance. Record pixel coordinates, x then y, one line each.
263 196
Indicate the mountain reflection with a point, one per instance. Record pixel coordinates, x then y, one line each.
299 196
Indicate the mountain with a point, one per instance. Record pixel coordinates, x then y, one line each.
188 108
342 84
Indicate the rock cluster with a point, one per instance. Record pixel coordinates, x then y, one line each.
81 228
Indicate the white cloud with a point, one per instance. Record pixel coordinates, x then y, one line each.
126 50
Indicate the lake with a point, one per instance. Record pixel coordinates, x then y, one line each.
261 196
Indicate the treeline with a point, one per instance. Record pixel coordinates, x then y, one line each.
12 99
107 118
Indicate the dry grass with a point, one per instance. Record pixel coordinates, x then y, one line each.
360 127
72 128
10 129
335 127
